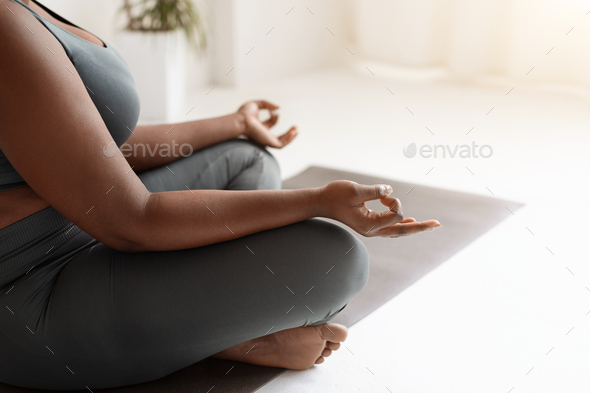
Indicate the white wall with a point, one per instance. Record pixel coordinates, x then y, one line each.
298 42
473 38
400 32
98 17
470 38
287 37
103 19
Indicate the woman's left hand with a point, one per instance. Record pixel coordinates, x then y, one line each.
259 131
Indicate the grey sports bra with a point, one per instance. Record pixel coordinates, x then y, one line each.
108 82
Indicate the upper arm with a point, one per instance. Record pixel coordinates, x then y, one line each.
53 135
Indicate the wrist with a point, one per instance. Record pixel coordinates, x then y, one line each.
318 207
239 121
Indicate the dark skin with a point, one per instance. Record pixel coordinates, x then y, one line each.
60 156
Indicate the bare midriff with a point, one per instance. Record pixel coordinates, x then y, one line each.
19 203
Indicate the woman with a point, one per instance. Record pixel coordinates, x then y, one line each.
117 269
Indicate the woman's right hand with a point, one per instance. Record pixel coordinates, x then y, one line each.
344 201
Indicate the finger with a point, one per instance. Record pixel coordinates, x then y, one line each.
407 229
326 352
382 220
394 205
392 216
288 136
262 104
409 219
320 360
333 346
264 137
375 191
272 120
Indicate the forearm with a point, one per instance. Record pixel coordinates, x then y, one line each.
186 219
151 146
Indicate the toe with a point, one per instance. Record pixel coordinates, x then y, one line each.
334 332
326 352
320 360
333 346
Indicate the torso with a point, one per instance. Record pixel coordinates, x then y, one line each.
22 202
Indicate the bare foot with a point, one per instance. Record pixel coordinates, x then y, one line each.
296 349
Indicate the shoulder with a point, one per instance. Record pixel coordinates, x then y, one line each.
30 52
20 31
13 22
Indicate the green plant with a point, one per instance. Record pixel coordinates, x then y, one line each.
167 15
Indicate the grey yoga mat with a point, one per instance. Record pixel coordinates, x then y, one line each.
395 265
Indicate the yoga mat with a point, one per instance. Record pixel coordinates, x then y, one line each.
395 265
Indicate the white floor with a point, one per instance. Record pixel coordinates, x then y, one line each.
497 316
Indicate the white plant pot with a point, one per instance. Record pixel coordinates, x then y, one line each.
157 61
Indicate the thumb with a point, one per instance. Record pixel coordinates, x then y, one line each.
375 191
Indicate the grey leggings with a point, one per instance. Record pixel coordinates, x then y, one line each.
85 315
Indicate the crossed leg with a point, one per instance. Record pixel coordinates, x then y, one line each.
102 318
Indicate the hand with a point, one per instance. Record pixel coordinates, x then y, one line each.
344 201
259 131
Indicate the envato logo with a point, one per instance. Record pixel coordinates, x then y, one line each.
462 151
163 150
